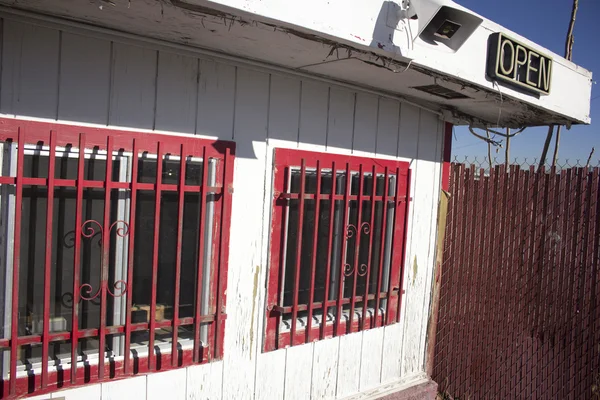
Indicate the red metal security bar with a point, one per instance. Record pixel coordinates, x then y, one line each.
114 253
518 309
337 245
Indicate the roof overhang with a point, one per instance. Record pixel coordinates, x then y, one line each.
372 44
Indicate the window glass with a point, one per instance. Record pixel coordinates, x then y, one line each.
337 245
364 230
33 249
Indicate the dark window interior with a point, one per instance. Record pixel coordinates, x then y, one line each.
33 226
361 232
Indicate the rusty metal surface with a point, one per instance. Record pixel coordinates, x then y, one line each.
518 315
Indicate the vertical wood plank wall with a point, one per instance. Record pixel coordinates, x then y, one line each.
71 77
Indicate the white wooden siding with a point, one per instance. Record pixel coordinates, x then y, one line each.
246 262
282 131
365 124
170 384
205 382
79 78
421 242
83 61
91 392
132 388
133 86
325 369
371 359
298 378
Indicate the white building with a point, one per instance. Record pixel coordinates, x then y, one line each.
260 98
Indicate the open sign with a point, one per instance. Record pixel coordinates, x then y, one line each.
514 63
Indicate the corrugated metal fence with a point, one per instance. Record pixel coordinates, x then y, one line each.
518 312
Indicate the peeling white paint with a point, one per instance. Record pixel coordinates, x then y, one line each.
355 40
180 93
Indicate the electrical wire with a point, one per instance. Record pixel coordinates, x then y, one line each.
493 131
504 135
485 139
404 70
501 102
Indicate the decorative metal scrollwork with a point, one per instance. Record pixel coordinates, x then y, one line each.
123 230
362 269
348 269
120 286
89 230
352 232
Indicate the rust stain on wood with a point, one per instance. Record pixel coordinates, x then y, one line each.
415 270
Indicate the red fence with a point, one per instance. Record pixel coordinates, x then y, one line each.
518 312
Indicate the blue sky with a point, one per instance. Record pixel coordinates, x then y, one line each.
545 22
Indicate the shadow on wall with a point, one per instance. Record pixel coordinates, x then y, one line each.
66 77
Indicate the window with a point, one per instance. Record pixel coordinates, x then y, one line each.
337 245
113 243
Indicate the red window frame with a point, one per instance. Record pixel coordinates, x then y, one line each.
284 161
60 135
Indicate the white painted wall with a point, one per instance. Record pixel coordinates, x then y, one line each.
46 73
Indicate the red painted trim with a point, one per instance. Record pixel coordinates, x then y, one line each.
284 159
329 330
155 248
60 183
278 221
329 247
133 201
110 330
397 268
367 278
60 135
447 155
88 374
105 254
14 331
122 139
298 265
342 266
361 182
180 216
382 247
198 325
77 257
405 234
313 268
223 253
48 259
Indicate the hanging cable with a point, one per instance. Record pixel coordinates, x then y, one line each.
504 135
485 139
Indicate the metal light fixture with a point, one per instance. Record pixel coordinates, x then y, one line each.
442 23
447 29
